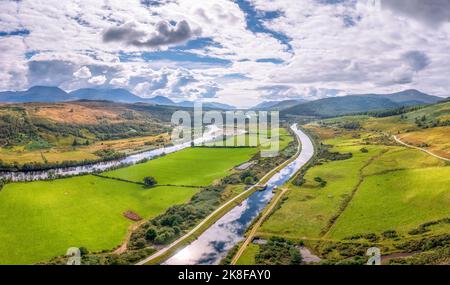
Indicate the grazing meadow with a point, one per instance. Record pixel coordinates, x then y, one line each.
43 219
380 188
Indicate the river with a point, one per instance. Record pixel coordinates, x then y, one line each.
213 244
210 134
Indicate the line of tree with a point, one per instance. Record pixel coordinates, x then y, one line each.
39 166
168 226
394 112
278 251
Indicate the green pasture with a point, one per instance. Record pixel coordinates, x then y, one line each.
43 219
398 200
249 254
191 166
397 188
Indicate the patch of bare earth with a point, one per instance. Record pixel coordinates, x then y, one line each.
132 216
74 113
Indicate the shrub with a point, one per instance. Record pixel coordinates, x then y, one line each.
150 181
425 244
278 251
151 234
139 244
164 236
390 234
333 156
364 150
249 180
370 237
299 180
245 174
83 251
322 182
354 125
318 179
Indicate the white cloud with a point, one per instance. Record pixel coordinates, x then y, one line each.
97 80
83 73
121 81
13 65
347 46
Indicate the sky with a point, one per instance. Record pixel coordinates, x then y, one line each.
238 52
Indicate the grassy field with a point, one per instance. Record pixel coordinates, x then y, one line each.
284 138
248 257
193 166
309 207
398 200
42 219
395 188
64 151
400 123
52 155
435 140
419 127
46 132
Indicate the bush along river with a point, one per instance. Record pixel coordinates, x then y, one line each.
212 133
213 244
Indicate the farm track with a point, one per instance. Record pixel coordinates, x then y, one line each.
124 246
421 149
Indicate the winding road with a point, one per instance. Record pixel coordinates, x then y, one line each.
419 148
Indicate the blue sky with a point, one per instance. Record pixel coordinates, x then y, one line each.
237 52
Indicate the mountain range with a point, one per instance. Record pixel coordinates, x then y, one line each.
278 105
55 94
327 107
350 104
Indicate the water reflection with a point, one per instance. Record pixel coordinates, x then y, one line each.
215 242
211 134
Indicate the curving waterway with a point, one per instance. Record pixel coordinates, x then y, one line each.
212 133
215 242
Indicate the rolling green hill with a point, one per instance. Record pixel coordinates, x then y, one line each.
74 131
382 195
338 106
424 126
278 105
100 120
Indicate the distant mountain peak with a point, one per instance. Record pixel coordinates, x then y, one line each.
55 94
40 87
278 105
351 104
161 100
409 97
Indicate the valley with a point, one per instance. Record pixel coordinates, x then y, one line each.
266 133
87 211
364 189
40 134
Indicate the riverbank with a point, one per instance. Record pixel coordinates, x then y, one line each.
107 164
260 197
